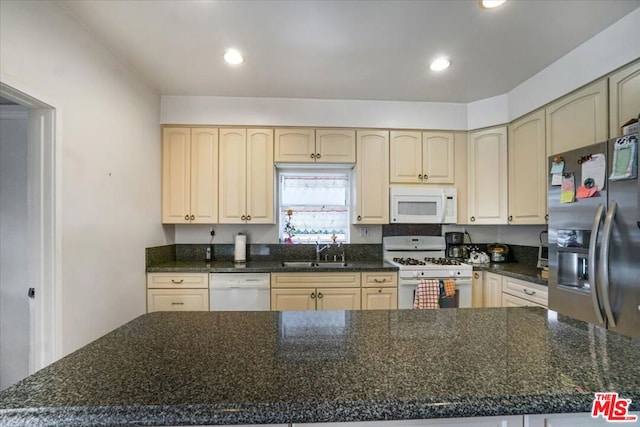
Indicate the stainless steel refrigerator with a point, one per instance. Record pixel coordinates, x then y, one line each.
594 242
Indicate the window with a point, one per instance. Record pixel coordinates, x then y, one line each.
318 204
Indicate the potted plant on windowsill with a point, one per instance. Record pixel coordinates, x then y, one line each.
289 228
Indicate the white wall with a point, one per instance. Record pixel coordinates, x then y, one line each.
107 121
14 305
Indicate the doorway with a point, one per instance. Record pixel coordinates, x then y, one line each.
28 236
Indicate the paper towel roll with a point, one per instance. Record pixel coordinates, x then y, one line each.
240 252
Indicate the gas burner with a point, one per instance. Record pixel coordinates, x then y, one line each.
442 261
409 261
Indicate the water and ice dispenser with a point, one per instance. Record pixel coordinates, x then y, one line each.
573 258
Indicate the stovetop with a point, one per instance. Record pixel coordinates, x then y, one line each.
426 261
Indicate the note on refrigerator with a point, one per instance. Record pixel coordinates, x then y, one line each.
567 195
593 171
557 168
556 179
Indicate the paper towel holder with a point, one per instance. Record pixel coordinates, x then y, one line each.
240 249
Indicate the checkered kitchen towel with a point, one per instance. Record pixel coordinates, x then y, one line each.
427 294
449 287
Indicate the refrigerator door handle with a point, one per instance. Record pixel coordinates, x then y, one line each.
593 241
604 262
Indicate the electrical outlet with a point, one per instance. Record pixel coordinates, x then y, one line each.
364 231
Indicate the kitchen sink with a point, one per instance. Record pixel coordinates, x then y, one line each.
314 264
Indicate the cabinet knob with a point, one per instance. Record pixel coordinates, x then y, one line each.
319 295
420 176
248 217
359 218
379 291
318 155
186 217
426 177
476 275
510 218
313 156
546 217
193 217
243 217
313 295
473 218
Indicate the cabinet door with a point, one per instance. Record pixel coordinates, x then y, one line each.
204 175
177 300
260 176
488 176
372 178
477 290
379 298
571 420
293 299
624 97
461 167
233 176
405 157
338 299
492 290
335 146
578 120
437 157
527 170
295 145
176 175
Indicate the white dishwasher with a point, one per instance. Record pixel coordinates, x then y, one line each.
239 292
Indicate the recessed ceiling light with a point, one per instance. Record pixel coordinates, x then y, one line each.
440 64
233 57
491 4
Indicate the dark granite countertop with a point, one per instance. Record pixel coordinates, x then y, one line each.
261 267
196 368
514 269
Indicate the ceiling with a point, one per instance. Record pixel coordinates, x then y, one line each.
363 50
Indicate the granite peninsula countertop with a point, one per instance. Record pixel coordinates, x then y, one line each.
262 267
197 368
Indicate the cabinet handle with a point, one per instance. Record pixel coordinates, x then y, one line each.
420 177
186 217
243 217
476 275
473 218
313 156
193 217
319 295
546 217
510 218
379 281
426 177
177 282
359 218
318 155
379 291
529 292
248 217
313 295
177 303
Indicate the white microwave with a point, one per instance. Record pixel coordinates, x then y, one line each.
423 205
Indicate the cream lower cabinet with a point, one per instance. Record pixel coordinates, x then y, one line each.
527 170
477 290
421 157
247 174
299 145
492 290
487 178
372 178
189 175
578 119
570 420
177 292
516 292
624 97
315 291
379 291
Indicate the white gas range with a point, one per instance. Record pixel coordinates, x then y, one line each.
422 257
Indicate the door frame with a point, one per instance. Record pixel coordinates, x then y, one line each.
44 232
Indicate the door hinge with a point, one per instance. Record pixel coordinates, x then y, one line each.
32 293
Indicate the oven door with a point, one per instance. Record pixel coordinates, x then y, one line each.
407 289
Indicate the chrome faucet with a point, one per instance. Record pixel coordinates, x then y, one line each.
319 249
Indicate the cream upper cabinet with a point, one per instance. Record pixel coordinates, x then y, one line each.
578 119
624 97
421 157
438 157
315 146
372 178
527 170
487 179
246 176
461 175
189 175
492 290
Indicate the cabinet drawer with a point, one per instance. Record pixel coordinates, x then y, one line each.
177 281
512 301
533 292
312 280
380 279
177 300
